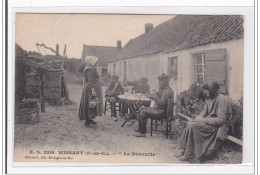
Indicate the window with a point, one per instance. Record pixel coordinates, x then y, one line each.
210 65
104 71
173 67
200 68
125 72
120 69
114 69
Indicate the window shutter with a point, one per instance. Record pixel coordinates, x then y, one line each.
215 67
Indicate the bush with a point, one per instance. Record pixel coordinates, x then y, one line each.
73 65
74 78
236 129
81 68
191 103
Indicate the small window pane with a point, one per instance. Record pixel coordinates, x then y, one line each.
199 59
200 78
199 69
104 71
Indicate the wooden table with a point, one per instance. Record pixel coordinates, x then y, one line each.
132 101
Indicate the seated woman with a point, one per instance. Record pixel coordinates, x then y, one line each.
201 137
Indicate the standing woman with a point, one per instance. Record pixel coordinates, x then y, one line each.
91 88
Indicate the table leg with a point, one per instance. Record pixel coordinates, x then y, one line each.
133 114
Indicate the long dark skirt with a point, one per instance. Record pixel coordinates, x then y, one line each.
199 140
85 112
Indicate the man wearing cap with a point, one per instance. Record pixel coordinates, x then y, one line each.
140 86
114 89
160 107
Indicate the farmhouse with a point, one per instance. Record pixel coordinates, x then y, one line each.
189 48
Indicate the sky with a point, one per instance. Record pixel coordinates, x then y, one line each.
74 30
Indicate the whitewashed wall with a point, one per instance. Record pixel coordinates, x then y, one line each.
99 69
151 66
234 68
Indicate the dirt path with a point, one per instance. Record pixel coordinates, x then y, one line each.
60 128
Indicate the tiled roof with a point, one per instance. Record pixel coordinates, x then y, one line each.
183 32
104 53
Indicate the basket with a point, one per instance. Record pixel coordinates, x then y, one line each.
94 102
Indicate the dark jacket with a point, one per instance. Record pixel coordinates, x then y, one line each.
111 92
161 98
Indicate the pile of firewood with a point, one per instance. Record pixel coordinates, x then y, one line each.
27 111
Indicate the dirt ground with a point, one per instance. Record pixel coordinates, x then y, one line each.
60 128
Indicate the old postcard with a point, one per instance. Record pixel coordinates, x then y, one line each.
111 88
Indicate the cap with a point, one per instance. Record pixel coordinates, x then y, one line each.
143 79
163 77
210 84
115 77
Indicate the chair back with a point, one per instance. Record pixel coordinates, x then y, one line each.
133 90
170 106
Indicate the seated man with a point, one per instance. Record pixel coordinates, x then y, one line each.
200 138
140 86
143 87
160 107
114 89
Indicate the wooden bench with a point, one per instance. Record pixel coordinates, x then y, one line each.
231 138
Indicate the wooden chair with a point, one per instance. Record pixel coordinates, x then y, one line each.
108 107
133 90
166 122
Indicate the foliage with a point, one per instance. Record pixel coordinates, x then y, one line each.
33 53
73 65
74 78
191 103
237 112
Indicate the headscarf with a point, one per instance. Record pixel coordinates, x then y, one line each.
212 87
90 64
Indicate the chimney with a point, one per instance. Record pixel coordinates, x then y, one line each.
83 53
119 44
148 27
57 49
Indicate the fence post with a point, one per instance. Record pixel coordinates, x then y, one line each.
42 98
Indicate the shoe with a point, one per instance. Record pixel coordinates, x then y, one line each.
140 135
137 130
92 122
114 118
179 153
194 161
122 115
87 124
182 158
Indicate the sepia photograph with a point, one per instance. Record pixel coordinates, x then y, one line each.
128 88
